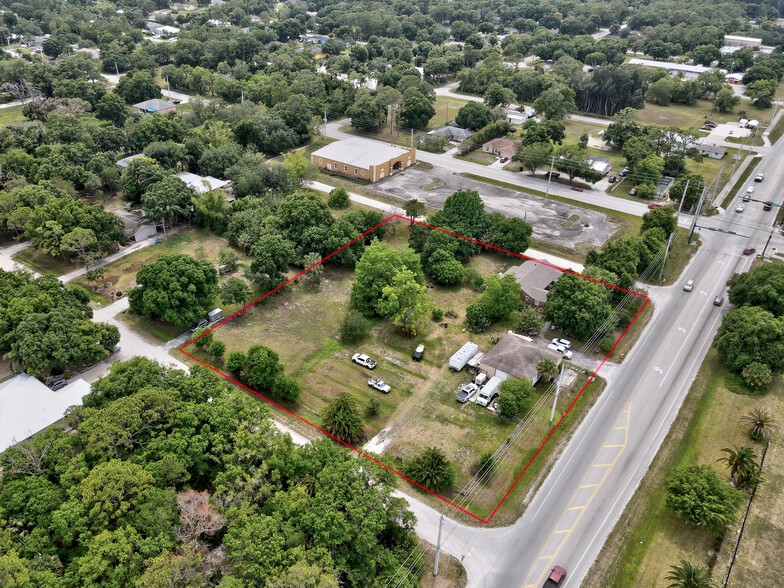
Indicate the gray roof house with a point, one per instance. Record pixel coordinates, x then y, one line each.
452 132
155 105
535 279
516 357
712 151
202 184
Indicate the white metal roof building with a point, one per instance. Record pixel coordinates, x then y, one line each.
739 41
672 68
363 158
202 184
27 406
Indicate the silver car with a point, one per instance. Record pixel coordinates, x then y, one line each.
688 286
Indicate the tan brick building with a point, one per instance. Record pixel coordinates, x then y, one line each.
363 159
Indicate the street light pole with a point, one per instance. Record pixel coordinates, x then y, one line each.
549 176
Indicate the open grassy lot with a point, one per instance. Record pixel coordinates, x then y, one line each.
45 263
649 537
121 274
692 116
446 109
478 156
302 324
11 114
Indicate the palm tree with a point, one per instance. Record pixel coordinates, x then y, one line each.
742 464
687 575
547 368
759 423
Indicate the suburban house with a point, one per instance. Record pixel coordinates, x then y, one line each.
160 30
155 105
202 184
689 72
516 357
712 151
363 159
736 79
27 407
133 227
601 164
502 147
318 39
536 279
516 118
452 132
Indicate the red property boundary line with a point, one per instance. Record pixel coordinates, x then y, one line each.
590 379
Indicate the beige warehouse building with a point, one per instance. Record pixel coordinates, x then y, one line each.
363 159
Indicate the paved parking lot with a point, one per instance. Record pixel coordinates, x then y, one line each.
551 220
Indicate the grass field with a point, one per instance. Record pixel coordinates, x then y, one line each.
649 538
693 116
302 324
478 156
45 263
121 274
11 114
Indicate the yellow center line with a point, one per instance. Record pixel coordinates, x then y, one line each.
627 412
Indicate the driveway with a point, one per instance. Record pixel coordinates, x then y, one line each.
551 220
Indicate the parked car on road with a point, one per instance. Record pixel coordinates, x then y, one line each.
654 205
379 385
364 360
466 392
688 286
202 323
749 251
577 189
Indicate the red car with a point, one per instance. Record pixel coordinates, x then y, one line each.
653 205
557 574
749 251
504 159
633 192
577 188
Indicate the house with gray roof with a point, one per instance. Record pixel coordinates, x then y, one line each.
155 105
535 279
515 356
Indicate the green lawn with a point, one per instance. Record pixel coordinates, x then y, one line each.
478 156
121 274
11 114
777 131
649 538
45 263
693 116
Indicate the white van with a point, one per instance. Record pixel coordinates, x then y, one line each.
489 391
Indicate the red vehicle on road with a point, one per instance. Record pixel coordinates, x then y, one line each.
653 205
557 574
577 188
749 251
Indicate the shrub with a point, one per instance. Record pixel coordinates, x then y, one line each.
341 418
606 344
757 374
235 362
217 349
477 319
338 198
515 394
431 469
529 319
118 293
354 327
373 407
438 314
485 464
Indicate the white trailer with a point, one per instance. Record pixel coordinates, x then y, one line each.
215 315
460 358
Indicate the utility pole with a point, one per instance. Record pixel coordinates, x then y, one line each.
684 195
549 176
412 139
696 214
325 124
716 187
666 252
773 228
557 393
438 545
116 69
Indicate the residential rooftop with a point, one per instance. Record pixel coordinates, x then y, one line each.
360 152
517 357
